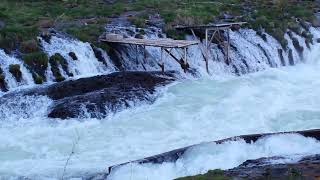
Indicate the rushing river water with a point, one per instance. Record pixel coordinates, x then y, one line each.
187 113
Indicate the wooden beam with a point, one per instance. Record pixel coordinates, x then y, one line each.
161 64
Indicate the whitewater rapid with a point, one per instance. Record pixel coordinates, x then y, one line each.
189 112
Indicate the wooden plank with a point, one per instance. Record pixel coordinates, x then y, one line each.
167 43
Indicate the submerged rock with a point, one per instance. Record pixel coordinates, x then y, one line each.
98 96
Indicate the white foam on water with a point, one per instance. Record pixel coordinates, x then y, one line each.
201 158
189 112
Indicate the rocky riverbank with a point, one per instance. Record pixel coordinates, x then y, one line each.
308 168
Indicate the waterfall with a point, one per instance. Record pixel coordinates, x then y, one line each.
12 83
85 64
249 52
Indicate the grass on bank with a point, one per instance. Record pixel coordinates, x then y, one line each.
22 20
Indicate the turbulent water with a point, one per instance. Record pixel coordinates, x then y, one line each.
188 112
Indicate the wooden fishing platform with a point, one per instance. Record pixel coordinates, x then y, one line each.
166 45
212 31
164 42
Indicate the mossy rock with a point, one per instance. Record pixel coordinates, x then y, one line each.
14 69
37 62
29 46
60 78
3 84
54 61
296 45
37 79
278 34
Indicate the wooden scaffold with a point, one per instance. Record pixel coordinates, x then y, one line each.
213 31
166 45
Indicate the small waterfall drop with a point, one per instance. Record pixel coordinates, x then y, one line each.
5 62
84 63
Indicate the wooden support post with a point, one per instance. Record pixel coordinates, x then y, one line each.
200 45
185 63
144 54
144 57
161 64
207 52
137 54
228 47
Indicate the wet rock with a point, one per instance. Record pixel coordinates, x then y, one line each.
46 36
139 36
306 168
99 96
98 54
280 53
290 56
58 60
3 84
73 56
297 46
14 69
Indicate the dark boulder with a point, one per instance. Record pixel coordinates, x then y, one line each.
3 84
267 168
14 69
99 96
98 54
290 56
263 168
73 56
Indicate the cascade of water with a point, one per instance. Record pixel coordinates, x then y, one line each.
85 64
5 62
249 53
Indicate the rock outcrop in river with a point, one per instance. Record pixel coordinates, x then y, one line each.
98 96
